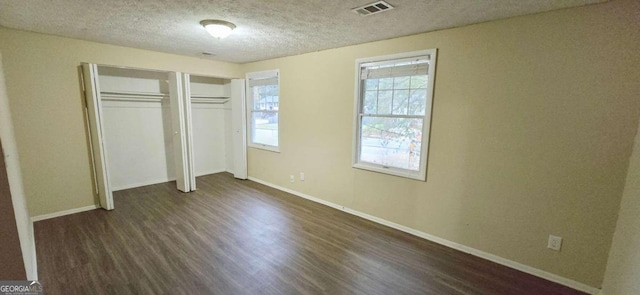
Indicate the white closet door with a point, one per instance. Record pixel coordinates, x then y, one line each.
96 130
186 93
176 101
239 128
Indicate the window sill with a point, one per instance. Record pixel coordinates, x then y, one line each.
265 147
391 171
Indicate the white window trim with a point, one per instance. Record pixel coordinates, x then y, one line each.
260 75
426 126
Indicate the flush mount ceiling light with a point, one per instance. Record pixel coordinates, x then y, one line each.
218 28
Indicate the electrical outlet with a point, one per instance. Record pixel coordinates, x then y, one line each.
292 178
301 176
555 243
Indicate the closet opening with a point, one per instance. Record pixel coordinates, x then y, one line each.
149 127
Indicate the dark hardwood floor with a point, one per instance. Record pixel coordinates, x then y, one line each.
240 237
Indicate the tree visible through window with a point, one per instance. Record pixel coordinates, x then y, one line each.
394 108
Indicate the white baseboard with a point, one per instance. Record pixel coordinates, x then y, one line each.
209 172
32 274
139 184
475 252
150 182
63 213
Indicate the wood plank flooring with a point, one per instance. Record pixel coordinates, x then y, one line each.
241 237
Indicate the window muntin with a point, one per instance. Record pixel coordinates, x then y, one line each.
263 105
393 113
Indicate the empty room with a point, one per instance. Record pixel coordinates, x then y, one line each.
320 147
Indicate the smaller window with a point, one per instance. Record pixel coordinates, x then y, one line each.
263 104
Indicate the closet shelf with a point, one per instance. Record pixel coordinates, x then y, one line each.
156 97
208 99
132 96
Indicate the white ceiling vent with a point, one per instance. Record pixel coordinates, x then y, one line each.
372 8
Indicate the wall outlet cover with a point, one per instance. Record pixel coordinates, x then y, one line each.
555 243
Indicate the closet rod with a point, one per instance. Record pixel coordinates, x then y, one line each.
133 93
208 96
217 100
132 96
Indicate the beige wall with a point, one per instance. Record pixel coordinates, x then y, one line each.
533 125
623 269
46 103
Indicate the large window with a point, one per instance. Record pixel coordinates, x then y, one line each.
263 103
393 113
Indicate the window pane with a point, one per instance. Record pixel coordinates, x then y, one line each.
419 81
371 84
264 128
417 101
385 97
370 102
265 97
392 142
400 102
386 83
401 82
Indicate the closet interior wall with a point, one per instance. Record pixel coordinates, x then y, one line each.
137 126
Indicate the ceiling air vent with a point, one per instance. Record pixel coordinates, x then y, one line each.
372 8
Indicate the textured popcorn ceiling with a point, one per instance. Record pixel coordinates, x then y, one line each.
265 29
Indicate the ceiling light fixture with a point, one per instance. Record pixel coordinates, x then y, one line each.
218 28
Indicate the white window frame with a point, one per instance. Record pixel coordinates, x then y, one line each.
426 126
250 110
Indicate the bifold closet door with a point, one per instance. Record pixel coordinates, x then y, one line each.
181 122
96 130
239 128
186 94
179 133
